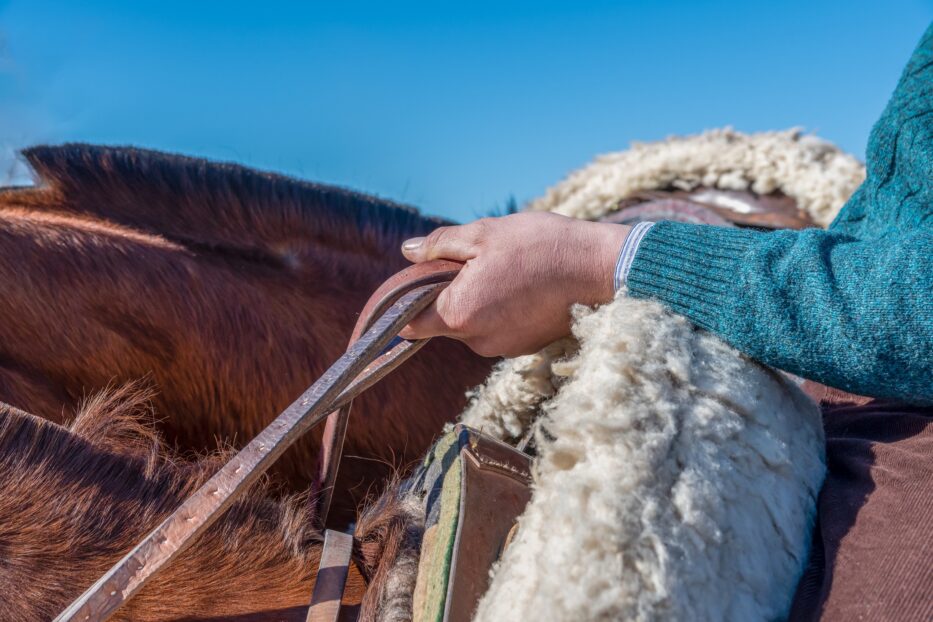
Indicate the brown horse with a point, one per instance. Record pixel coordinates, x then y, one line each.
228 289
74 499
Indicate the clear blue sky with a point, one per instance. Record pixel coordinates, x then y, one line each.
451 108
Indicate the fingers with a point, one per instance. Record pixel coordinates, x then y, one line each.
458 243
442 318
428 323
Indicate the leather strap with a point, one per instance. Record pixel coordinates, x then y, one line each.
335 429
363 364
331 577
495 487
712 206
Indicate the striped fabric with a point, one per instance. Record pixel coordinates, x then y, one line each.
627 253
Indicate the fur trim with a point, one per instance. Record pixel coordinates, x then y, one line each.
395 598
676 479
507 403
814 172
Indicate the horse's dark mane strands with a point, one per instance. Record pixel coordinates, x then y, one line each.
212 204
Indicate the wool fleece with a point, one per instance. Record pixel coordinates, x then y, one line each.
814 172
676 479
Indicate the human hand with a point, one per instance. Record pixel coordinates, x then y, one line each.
521 274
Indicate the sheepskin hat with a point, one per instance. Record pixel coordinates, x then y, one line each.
814 172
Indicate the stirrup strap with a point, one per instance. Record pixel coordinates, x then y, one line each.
331 577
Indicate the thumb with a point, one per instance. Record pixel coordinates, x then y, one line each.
457 243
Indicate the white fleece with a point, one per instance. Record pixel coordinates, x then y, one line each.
816 173
676 479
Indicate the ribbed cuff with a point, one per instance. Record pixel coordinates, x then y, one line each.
691 268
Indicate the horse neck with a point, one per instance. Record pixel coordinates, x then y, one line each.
144 305
227 340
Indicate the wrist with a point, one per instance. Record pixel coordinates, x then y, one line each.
606 243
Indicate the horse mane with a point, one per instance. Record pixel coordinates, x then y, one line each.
213 205
74 499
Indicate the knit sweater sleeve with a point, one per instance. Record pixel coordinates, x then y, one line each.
850 313
852 306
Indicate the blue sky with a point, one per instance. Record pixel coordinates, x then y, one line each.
453 108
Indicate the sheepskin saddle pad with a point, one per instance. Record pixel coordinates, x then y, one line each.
675 479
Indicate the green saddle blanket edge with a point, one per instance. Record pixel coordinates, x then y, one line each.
440 532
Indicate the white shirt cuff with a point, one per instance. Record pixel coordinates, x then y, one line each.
627 253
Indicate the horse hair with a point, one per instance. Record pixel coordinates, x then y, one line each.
74 499
215 205
230 290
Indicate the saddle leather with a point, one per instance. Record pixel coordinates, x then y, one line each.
495 488
472 489
712 206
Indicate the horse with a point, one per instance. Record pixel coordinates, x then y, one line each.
387 535
74 498
226 289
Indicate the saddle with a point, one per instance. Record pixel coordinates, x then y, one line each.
712 206
472 487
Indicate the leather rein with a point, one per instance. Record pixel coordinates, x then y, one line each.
375 350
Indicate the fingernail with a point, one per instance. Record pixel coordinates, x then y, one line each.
412 244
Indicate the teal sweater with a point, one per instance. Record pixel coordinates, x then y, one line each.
851 306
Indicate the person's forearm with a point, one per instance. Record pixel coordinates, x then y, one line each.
856 315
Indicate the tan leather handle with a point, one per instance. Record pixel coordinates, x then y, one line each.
335 428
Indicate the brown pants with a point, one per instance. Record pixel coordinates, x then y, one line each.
872 553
